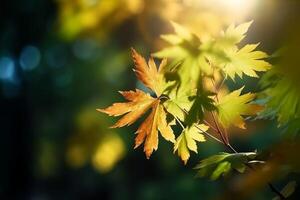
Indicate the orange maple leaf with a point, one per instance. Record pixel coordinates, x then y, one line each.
140 102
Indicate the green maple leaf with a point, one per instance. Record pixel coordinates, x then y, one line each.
202 102
191 105
178 104
285 99
232 106
223 163
186 53
282 101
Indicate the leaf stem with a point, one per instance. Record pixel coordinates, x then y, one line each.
220 86
182 126
223 137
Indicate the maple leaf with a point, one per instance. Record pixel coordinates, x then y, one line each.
186 141
148 131
179 103
246 61
202 102
140 102
223 163
225 54
283 98
185 49
148 74
232 106
234 34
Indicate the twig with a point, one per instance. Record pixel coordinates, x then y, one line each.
272 187
182 126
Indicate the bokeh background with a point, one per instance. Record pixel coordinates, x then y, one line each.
62 59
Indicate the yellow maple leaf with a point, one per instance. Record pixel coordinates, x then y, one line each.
231 107
247 61
235 34
186 141
140 102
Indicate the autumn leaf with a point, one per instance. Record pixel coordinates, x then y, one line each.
148 131
148 74
231 107
140 102
186 141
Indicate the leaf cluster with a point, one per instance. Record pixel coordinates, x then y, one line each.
188 89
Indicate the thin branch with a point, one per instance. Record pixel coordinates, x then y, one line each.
272 187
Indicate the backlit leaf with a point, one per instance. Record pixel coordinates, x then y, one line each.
139 102
185 49
245 60
148 74
231 107
186 141
235 34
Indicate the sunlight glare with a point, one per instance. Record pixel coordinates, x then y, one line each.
236 3
238 7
